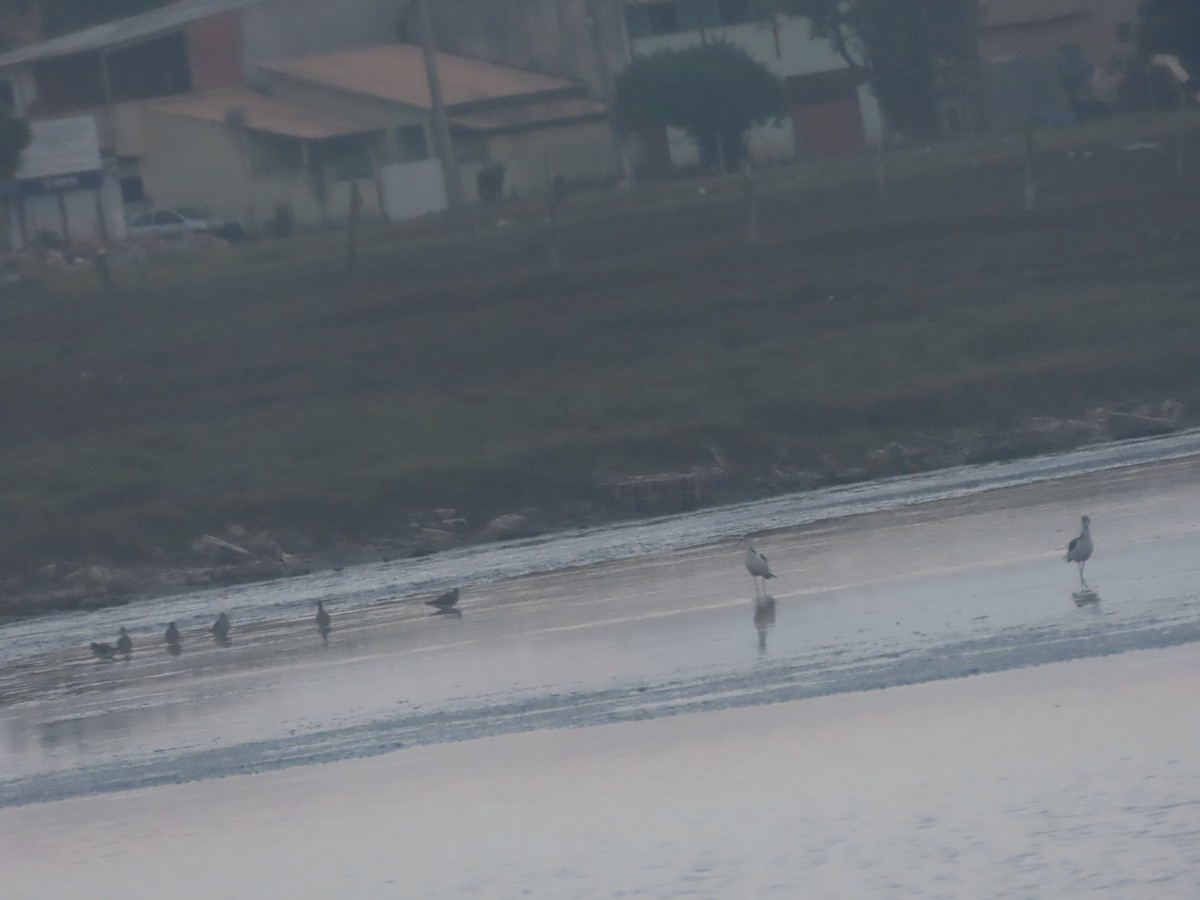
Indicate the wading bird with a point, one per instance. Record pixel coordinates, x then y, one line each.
1080 548
124 642
445 602
756 565
323 619
103 651
174 641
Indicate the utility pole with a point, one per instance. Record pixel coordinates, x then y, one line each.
595 9
441 127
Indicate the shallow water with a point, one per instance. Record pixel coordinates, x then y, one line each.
880 584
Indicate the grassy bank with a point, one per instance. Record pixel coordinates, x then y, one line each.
256 384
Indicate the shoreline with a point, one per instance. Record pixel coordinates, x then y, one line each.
85 587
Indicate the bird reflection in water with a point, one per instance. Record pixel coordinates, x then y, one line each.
324 622
103 651
1086 597
764 619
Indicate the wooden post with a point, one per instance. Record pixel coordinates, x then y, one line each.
1030 180
558 193
751 200
880 172
356 203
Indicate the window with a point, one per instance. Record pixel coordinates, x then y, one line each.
132 190
662 18
410 141
734 12
347 157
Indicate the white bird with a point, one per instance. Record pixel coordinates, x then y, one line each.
1080 549
756 565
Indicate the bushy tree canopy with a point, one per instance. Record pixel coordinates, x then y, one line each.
1171 26
902 44
714 92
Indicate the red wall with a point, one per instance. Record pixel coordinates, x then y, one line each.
215 51
830 127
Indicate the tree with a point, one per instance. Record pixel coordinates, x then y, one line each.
908 47
1171 26
714 92
14 138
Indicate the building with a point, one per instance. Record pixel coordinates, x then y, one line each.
320 124
831 110
209 66
1049 61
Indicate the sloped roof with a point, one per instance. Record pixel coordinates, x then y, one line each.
532 115
263 113
396 72
121 32
1009 13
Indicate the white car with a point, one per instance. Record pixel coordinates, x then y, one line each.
180 221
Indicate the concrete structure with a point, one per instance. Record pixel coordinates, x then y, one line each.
1048 61
831 109
62 193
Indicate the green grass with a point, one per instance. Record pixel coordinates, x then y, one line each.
255 384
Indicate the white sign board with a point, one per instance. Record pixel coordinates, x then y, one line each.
60 147
412 189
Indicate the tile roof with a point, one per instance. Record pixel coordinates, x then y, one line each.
263 113
531 115
396 72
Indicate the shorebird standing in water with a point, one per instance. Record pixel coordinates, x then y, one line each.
103 651
1080 549
124 643
174 641
444 602
756 565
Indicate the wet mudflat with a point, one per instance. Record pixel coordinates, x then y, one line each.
957 587
488 710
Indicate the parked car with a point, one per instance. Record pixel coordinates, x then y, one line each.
180 221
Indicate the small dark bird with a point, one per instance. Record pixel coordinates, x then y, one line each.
323 619
1080 549
124 643
174 641
103 651
444 602
220 628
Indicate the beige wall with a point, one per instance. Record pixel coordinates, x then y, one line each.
532 158
199 163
